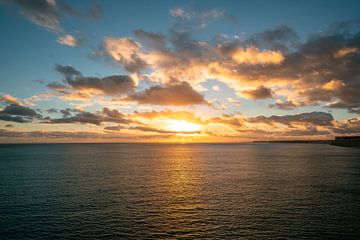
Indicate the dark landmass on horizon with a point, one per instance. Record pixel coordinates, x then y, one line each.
342 141
296 141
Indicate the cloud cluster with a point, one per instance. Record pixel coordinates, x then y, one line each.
320 71
236 126
75 86
176 94
19 114
49 13
105 116
196 19
314 118
6 98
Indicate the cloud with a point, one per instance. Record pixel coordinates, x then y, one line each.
348 127
68 40
68 72
344 52
228 119
6 98
178 56
126 52
200 18
49 13
67 112
281 38
178 94
255 56
52 110
19 110
317 124
87 117
153 40
113 128
17 119
259 93
333 85
110 85
286 105
216 88
18 113
234 101
77 86
315 118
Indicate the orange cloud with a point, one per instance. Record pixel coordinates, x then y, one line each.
255 56
67 40
343 52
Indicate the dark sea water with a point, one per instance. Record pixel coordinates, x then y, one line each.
169 191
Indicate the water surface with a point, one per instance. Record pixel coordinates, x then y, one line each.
150 191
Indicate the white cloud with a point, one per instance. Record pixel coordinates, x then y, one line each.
68 40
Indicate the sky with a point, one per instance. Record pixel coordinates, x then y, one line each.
178 71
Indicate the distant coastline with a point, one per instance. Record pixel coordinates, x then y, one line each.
342 141
297 141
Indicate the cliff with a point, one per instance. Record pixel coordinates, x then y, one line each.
351 141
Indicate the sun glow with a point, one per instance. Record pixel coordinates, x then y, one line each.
182 126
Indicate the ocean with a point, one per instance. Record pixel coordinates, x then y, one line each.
179 191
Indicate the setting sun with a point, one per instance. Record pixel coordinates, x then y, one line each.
182 126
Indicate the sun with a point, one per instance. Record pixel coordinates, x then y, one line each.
182 126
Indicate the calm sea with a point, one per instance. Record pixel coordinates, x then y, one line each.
169 191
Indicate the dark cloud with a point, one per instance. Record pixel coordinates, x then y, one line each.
48 14
83 117
313 65
110 85
9 125
67 112
281 38
314 118
18 110
259 93
287 105
178 94
68 72
18 113
154 40
56 86
107 115
76 84
113 128
112 113
17 119
52 110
